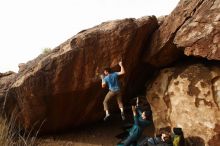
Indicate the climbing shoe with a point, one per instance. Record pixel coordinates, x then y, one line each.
123 116
106 117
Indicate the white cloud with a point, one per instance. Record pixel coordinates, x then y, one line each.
28 26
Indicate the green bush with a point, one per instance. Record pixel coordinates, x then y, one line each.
46 50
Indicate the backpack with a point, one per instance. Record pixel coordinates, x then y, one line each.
176 140
178 137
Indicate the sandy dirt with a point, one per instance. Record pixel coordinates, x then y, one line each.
99 134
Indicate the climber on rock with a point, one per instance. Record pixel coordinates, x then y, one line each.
111 79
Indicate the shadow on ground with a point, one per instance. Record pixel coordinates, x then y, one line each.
99 134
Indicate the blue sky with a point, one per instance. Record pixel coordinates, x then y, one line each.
29 26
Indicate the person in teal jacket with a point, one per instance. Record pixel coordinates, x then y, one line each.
140 122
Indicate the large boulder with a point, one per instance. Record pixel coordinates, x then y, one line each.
200 34
6 79
192 29
61 89
188 96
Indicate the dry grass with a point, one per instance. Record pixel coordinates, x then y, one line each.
11 137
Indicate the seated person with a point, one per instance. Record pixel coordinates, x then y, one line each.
161 139
140 122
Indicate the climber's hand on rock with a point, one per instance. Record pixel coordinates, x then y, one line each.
102 76
120 63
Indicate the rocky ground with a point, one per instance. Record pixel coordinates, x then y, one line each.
100 134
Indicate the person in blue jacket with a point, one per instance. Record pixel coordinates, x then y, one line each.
111 79
140 122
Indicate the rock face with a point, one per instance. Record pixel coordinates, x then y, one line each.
61 89
200 34
5 81
188 97
193 28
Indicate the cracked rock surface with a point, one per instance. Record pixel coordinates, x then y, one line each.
193 29
188 96
200 34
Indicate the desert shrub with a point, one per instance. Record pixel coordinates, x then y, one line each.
11 136
46 50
